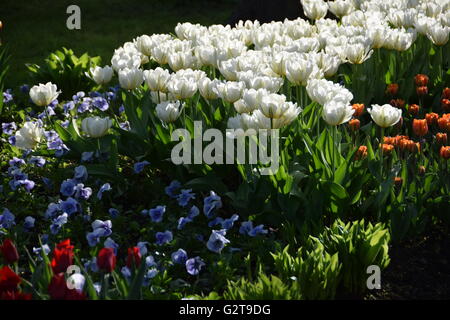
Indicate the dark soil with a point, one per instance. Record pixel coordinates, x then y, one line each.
419 269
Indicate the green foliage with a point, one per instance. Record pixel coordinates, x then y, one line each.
314 270
264 288
358 245
66 70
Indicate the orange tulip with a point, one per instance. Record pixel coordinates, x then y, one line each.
445 104
398 181
446 93
444 123
359 109
421 80
361 153
432 118
392 89
420 127
445 152
422 91
441 138
413 109
354 124
387 148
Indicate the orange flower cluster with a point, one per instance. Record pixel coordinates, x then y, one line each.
421 81
403 143
445 102
361 153
359 109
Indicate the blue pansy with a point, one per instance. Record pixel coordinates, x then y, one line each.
185 196
110 243
182 222
157 213
70 206
172 188
126 272
163 237
100 103
179 257
247 228
113 212
16 162
142 245
67 188
193 212
103 188
24 88
217 241
29 223
139 166
194 265
80 174
58 222
82 192
7 219
87 156
52 210
37 161
211 204
150 261
8 128
151 273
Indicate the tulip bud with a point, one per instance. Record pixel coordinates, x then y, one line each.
359 109
392 89
443 123
422 91
445 152
106 260
446 93
361 153
421 80
422 170
169 111
432 118
96 127
413 109
387 148
420 127
9 251
354 124
441 138
445 104
134 257
398 103
398 181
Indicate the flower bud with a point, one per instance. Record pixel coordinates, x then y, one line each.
445 104
354 124
422 170
445 152
441 138
432 118
422 91
413 109
9 251
106 260
359 109
392 89
361 153
421 80
398 181
420 127
446 93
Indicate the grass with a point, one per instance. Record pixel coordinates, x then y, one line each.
34 28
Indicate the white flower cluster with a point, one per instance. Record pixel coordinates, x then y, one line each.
256 59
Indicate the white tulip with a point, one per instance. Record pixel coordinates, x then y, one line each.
182 88
298 71
96 127
182 60
157 79
273 105
169 111
438 34
101 75
130 79
206 55
230 91
253 98
145 44
315 9
337 112
341 8
208 88
29 136
385 115
44 94
359 52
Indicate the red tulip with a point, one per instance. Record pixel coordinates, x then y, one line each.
15 295
9 251
62 257
134 257
8 279
58 290
106 260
